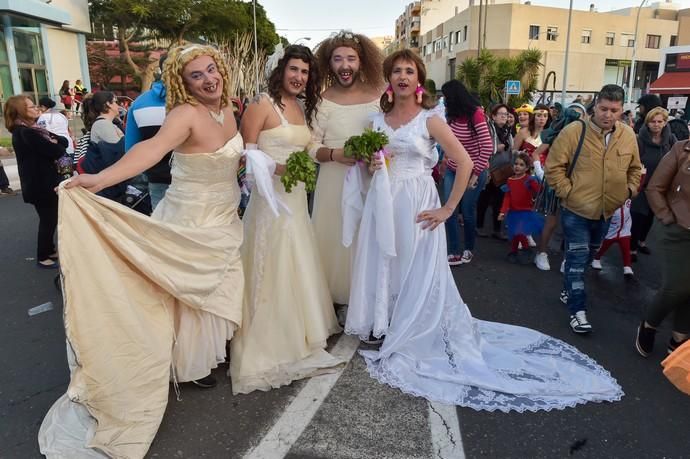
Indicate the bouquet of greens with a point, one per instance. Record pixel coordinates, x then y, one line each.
299 168
362 147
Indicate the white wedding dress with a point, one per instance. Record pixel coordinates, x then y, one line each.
433 347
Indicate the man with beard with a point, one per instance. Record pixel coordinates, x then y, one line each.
351 64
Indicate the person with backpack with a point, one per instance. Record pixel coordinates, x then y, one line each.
469 124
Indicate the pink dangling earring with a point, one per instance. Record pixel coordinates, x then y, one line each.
389 93
419 92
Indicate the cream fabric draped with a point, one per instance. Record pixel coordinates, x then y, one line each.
288 311
333 125
141 295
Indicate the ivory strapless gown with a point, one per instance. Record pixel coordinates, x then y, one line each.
288 312
141 296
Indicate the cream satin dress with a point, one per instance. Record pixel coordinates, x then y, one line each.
143 296
288 313
333 125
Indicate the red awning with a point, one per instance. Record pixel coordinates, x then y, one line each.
671 83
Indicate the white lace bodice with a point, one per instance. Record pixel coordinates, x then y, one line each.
413 147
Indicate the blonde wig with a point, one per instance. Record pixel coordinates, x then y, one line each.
178 58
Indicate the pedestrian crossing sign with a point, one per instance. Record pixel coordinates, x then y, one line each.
512 86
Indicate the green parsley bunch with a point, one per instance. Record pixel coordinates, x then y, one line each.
300 167
362 147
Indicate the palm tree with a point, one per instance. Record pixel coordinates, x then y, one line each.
486 76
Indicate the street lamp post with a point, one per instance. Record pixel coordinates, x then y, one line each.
256 50
631 77
567 51
301 38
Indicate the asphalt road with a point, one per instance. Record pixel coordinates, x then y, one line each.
358 418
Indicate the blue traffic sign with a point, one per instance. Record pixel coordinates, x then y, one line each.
512 86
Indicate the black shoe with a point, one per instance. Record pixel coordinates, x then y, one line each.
512 257
673 345
373 340
206 382
644 341
8 190
644 249
525 256
500 236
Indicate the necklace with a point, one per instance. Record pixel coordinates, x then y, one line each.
217 117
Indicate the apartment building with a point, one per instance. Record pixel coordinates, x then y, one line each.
418 18
42 44
601 44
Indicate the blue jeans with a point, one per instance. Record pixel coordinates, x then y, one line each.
157 191
468 207
583 238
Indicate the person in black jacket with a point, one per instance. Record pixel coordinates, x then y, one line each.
37 150
654 141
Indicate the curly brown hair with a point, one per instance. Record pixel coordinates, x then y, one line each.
406 55
369 54
312 93
178 57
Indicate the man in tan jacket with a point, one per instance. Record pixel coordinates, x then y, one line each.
605 174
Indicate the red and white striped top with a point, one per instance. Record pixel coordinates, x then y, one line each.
479 146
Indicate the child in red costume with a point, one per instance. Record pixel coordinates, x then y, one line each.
518 200
618 233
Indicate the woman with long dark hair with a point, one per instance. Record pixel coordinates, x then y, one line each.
469 124
66 94
37 150
288 313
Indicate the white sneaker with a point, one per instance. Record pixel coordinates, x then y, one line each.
627 271
466 257
579 323
542 261
562 266
596 264
530 241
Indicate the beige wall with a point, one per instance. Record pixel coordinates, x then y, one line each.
684 27
64 57
508 31
79 10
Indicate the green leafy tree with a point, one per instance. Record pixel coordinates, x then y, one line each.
486 75
177 21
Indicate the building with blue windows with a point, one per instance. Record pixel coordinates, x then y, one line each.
42 44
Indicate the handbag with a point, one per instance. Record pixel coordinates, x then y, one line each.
501 167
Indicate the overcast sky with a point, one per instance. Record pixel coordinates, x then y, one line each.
317 19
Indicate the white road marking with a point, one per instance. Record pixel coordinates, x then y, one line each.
285 432
445 431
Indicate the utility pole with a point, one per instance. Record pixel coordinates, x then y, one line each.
479 34
631 76
567 51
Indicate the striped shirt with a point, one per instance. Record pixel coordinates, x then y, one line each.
479 146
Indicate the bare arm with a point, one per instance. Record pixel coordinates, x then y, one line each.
253 122
174 132
440 131
520 138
